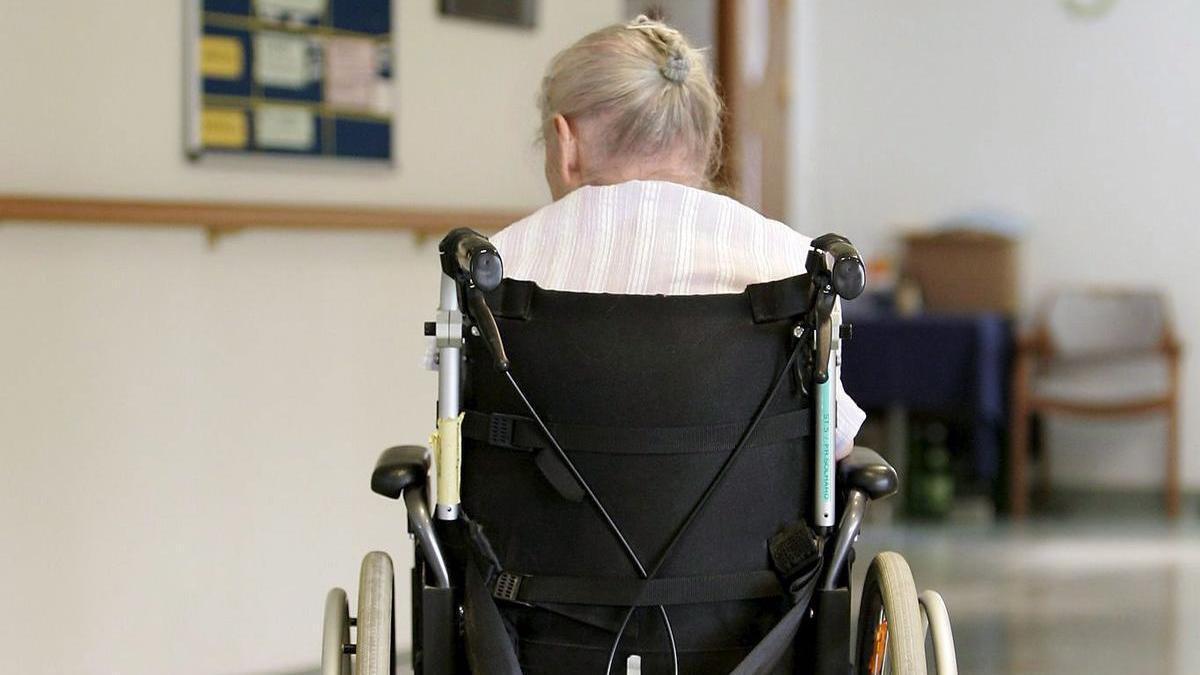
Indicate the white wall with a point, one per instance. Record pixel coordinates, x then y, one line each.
93 104
1086 128
696 19
186 433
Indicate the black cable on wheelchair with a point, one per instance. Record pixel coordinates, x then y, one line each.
612 525
688 521
728 464
712 488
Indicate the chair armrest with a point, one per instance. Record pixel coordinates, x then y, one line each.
864 470
1032 343
1171 346
399 468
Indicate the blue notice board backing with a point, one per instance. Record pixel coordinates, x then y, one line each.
290 77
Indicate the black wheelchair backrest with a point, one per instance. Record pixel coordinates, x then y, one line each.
648 395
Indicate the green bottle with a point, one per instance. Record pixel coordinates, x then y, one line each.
930 481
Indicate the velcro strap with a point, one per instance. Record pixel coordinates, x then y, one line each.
511 299
782 299
556 472
627 592
522 433
503 431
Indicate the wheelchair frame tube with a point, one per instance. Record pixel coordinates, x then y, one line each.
421 527
852 517
449 344
826 426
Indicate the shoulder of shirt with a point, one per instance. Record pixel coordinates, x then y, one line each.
780 233
547 211
742 212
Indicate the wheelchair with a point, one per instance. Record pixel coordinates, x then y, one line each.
637 484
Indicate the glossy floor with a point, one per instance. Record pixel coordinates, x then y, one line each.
1074 595
1060 597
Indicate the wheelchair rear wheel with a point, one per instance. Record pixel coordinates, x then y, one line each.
941 636
891 638
376 612
335 660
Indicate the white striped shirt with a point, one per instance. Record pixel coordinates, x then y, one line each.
658 238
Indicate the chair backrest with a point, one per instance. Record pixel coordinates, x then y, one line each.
1081 323
648 395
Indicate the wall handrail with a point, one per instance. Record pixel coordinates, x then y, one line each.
227 217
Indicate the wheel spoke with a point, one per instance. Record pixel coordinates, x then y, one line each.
879 648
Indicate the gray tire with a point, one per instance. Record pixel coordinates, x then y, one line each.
334 659
376 611
891 637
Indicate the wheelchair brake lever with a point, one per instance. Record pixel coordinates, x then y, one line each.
485 321
823 332
824 294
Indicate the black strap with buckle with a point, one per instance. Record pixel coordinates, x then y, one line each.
629 592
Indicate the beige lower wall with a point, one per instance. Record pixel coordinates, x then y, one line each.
188 435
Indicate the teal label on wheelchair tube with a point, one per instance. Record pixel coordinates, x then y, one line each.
825 450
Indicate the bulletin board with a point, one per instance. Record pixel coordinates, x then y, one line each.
289 77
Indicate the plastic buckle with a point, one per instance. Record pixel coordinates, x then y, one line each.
500 430
795 555
507 586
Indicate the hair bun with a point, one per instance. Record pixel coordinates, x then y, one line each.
655 91
676 68
670 43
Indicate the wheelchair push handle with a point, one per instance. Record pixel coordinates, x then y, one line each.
849 275
469 257
475 266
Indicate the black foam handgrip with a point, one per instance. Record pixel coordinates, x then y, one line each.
486 268
849 276
467 254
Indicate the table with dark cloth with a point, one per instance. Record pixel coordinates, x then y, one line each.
952 365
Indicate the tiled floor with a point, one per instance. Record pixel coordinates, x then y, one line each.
1060 597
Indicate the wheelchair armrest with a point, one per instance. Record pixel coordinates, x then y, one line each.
864 470
399 468
867 477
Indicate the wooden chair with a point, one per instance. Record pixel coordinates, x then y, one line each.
1100 354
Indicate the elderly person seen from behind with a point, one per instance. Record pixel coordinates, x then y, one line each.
632 128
